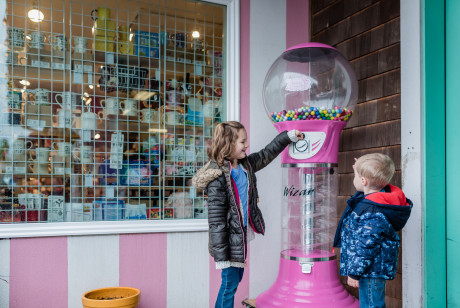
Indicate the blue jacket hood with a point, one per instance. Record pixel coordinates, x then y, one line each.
391 202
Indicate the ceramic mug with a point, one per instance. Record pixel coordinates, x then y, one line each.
37 40
59 42
86 154
39 168
64 118
111 106
41 95
63 148
129 107
68 100
16 38
81 44
89 120
20 148
150 116
42 155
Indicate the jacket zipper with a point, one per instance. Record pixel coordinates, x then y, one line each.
249 211
237 211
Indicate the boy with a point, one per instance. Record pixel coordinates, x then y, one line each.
367 230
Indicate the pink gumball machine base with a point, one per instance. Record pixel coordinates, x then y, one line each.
307 281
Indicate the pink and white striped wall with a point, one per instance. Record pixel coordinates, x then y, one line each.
174 269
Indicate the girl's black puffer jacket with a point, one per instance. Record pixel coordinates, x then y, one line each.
227 238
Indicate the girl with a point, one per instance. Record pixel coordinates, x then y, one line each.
230 183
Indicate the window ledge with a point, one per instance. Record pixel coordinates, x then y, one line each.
101 227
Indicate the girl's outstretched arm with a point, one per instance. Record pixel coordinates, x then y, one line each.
265 156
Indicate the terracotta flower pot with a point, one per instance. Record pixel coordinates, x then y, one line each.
113 297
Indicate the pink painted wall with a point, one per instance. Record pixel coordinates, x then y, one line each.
143 266
38 272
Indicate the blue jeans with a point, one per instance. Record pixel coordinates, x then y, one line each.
231 278
371 293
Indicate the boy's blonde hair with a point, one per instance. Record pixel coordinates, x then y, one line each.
224 139
377 168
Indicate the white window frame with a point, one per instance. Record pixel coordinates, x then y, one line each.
232 98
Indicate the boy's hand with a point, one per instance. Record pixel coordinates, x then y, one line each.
353 282
299 135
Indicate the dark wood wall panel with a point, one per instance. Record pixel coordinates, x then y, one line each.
367 33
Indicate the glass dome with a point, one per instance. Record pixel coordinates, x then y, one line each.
310 81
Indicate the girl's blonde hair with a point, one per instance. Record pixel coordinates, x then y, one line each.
377 168
224 139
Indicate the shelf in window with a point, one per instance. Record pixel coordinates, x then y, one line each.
56 132
131 124
118 58
40 77
111 58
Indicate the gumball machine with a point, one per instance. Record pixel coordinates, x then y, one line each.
311 87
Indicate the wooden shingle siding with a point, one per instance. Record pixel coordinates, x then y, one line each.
367 33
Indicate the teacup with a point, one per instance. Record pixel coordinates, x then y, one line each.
64 118
39 168
86 154
20 148
129 107
37 40
111 106
89 120
68 100
63 148
42 155
150 116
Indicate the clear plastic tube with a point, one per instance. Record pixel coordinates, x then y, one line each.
309 209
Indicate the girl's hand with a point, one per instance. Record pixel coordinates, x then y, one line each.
353 282
299 135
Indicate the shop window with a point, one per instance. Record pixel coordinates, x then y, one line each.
110 108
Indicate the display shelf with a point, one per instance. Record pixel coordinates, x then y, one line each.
170 65
40 77
57 133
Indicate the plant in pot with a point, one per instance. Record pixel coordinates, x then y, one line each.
113 297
